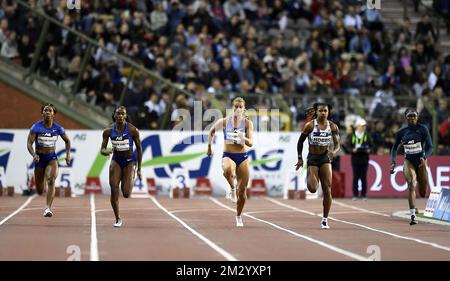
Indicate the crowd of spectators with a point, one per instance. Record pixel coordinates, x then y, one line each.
303 50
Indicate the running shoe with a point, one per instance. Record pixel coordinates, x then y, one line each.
118 223
48 213
324 224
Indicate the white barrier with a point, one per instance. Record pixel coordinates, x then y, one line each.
163 151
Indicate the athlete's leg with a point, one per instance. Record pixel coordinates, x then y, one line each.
410 176
312 178
243 175
229 168
422 179
127 181
325 174
51 172
115 174
40 180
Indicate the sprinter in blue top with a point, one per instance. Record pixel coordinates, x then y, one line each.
238 133
44 134
121 170
416 141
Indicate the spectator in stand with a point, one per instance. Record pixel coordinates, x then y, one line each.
425 28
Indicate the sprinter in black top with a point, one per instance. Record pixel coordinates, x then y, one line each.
320 133
416 141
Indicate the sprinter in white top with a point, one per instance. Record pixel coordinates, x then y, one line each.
238 135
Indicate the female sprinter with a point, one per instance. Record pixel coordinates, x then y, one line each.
320 133
121 170
416 141
238 133
44 134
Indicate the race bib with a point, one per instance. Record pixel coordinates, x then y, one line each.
233 138
121 145
321 141
47 141
413 148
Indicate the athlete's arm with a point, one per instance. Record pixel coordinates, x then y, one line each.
67 142
103 150
137 141
31 139
336 139
303 135
428 143
395 147
249 138
211 133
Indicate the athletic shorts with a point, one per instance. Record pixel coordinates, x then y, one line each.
237 158
318 159
124 161
414 160
44 159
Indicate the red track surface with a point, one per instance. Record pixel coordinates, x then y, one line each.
149 233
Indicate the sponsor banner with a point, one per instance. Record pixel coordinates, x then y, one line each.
432 202
272 156
442 210
380 183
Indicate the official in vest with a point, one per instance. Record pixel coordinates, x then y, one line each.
360 144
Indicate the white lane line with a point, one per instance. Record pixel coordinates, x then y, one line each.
39 208
316 241
18 210
124 209
420 241
94 244
266 211
342 213
218 249
196 210
359 209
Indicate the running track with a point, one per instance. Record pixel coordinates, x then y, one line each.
203 228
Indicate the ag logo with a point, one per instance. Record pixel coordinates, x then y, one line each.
74 4
5 151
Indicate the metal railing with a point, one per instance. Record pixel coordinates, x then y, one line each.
342 104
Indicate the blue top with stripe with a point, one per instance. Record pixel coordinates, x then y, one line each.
121 141
46 137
